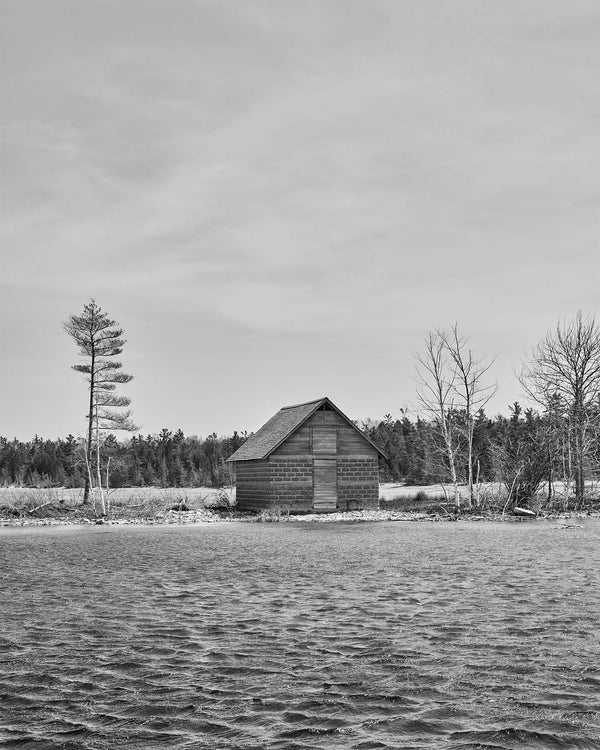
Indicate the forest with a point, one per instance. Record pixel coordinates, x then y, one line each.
169 459
523 450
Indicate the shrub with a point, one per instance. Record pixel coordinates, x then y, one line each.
222 500
269 515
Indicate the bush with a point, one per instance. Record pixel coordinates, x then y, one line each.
222 500
269 515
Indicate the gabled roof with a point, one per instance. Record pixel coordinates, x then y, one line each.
273 433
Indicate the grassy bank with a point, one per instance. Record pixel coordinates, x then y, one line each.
492 499
136 504
30 506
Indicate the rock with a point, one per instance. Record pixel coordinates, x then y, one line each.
181 506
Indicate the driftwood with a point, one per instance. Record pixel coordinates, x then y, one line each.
43 505
523 512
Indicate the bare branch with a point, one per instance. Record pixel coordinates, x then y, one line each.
564 368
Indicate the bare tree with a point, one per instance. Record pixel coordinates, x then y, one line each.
450 382
435 393
564 367
99 340
471 390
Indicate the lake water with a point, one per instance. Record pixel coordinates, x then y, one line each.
301 636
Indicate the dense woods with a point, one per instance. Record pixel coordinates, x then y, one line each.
169 459
522 450
525 451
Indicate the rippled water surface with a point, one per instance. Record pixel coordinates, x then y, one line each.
357 636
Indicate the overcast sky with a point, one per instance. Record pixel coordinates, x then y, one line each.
277 200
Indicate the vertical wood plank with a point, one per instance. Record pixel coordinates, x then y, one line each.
325 494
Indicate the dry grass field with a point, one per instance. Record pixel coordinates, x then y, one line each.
492 497
134 502
435 497
145 503
148 502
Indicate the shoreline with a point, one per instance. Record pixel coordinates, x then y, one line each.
206 518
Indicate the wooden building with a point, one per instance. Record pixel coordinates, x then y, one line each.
308 458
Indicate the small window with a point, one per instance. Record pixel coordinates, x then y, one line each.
324 440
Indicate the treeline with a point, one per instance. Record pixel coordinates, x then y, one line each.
415 454
169 459
522 450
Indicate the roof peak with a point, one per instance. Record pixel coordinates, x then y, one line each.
305 403
282 424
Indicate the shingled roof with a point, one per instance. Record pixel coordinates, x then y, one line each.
281 425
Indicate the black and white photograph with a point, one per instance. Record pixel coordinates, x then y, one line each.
300 375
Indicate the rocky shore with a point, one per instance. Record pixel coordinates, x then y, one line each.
206 516
169 517
391 515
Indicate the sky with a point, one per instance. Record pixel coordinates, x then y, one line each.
278 200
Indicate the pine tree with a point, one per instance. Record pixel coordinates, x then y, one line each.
100 340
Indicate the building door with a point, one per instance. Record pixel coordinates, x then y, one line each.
325 484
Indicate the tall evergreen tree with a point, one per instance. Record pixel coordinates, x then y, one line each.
100 340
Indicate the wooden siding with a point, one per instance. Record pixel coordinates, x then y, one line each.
298 444
253 482
325 417
349 441
291 482
324 439
358 482
325 484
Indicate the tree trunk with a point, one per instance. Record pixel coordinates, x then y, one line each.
99 472
550 459
88 473
450 452
470 457
86 489
579 469
579 453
